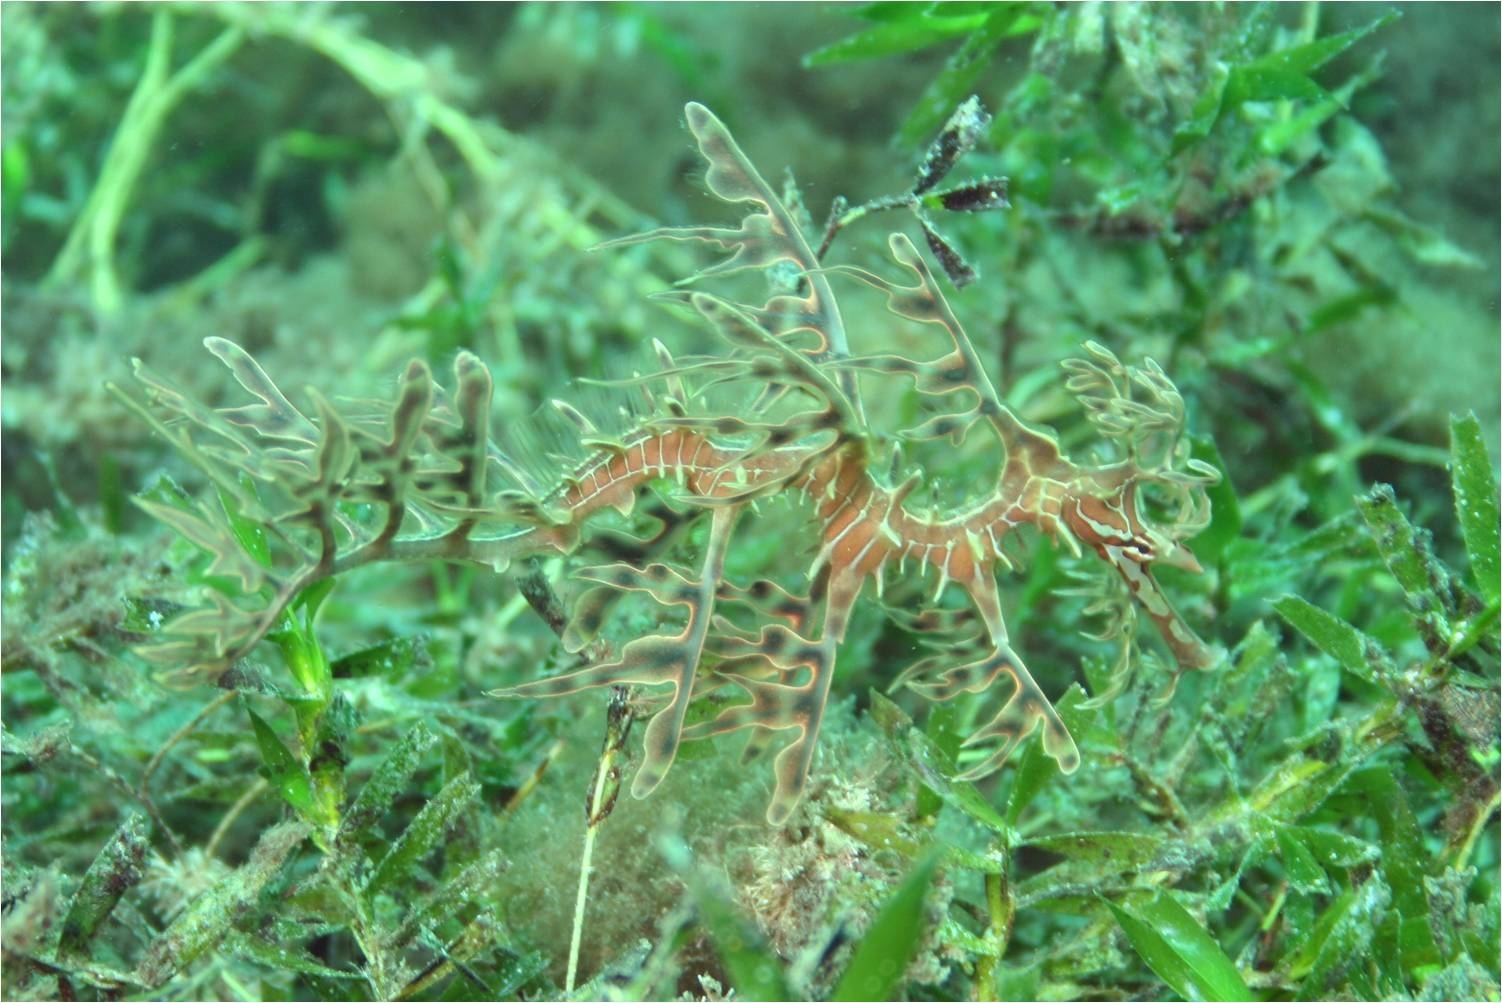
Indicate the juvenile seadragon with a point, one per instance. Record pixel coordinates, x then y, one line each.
421 478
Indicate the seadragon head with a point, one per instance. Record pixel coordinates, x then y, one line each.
1137 512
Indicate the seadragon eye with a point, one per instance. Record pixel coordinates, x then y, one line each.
1140 549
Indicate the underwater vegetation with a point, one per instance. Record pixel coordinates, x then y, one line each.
1062 672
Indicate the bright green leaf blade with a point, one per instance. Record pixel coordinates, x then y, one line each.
476 882
1355 652
312 597
283 957
1334 849
1206 112
1407 554
1304 871
1343 309
888 947
390 658
1482 624
1345 930
882 40
249 532
957 80
1431 248
1276 76
1270 83
1311 56
1179 950
1406 863
287 775
1475 486
1101 852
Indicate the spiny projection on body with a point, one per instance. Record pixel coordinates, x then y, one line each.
422 478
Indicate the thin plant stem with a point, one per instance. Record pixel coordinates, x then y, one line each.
605 789
586 868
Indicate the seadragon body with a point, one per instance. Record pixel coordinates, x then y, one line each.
427 465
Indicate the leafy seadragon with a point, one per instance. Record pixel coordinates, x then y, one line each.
422 478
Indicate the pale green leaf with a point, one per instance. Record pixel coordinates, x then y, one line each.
1179 950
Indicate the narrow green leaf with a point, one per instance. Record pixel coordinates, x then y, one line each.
884 11
883 40
1349 307
1255 82
1334 849
476 882
249 532
1103 852
1296 787
1394 536
312 598
208 917
1343 932
115 870
932 765
387 779
147 614
290 777
391 658
424 832
1406 553
283 957
1179 950
1304 871
1431 248
297 639
1406 862
1475 486
1311 56
1482 624
958 78
1205 113
1354 650
888 947
15 172
943 729
1276 76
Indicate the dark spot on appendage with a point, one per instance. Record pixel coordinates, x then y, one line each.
981 196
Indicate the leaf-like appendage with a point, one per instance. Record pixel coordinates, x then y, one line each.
787 678
422 461
1026 709
1136 405
957 371
657 659
767 238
